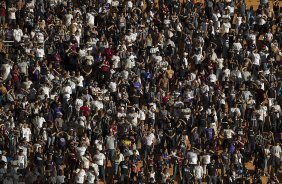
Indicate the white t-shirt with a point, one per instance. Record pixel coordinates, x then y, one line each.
228 133
98 104
198 171
60 179
17 34
212 77
78 104
22 161
142 115
40 53
220 63
262 113
226 27
91 175
193 158
276 150
239 21
6 70
129 4
67 91
256 59
85 162
198 58
80 80
40 37
68 17
120 158
99 159
81 174
40 121
149 139
23 66
116 61
206 159
81 150
113 86
90 19
26 133
237 46
12 13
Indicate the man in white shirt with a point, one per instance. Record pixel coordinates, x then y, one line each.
213 78
67 91
261 114
100 159
26 132
256 62
226 26
12 14
6 70
68 18
228 135
23 66
22 162
110 146
92 173
40 53
81 149
17 34
80 176
237 46
90 18
276 154
150 139
193 159
198 173
206 159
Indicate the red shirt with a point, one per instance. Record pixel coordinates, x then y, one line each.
2 12
165 99
106 66
108 53
85 110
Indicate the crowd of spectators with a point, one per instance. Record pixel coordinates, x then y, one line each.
134 91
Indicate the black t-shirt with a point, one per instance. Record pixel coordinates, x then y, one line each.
170 131
39 160
251 136
182 73
125 166
186 170
179 128
202 121
59 159
212 168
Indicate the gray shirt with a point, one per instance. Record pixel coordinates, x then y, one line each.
110 142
